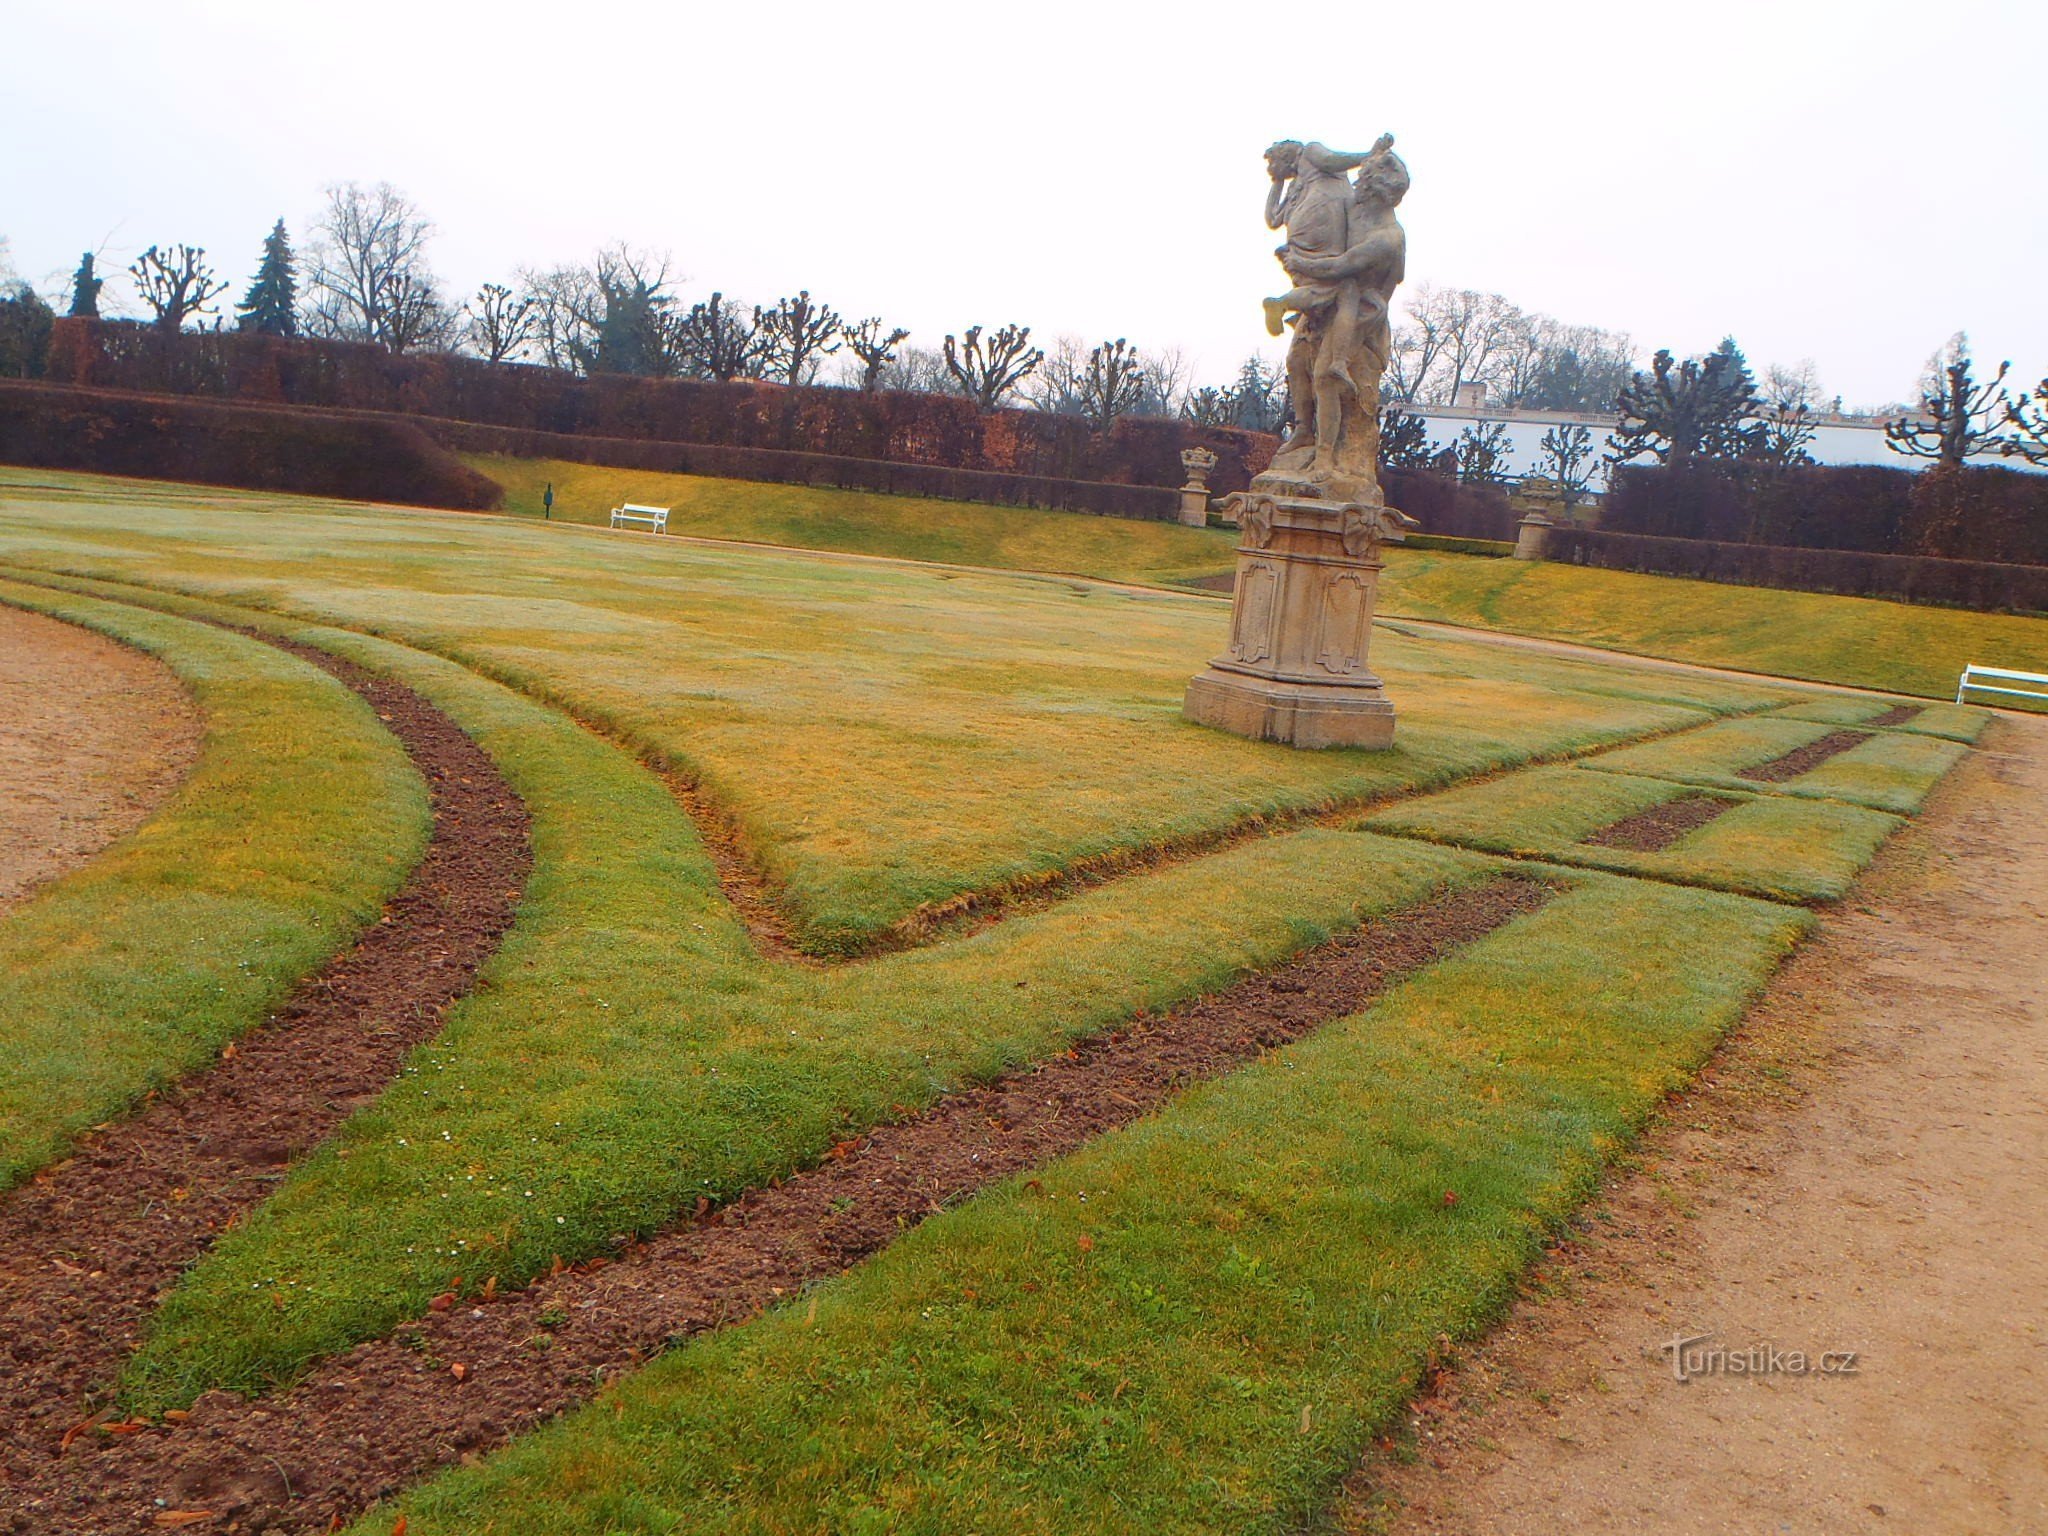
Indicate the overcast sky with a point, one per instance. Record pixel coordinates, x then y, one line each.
1842 180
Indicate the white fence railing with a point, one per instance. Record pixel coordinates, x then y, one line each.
1969 683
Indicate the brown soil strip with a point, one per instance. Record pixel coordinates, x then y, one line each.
1803 759
1898 714
93 736
89 1244
1858 1168
472 1374
1656 829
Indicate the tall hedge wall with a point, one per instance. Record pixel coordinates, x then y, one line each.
1977 513
942 430
251 447
1980 584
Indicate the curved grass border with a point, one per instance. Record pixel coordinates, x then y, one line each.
300 818
627 1050
1193 1324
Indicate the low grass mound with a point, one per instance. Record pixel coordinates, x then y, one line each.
1777 846
1194 1324
300 818
868 523
1891 771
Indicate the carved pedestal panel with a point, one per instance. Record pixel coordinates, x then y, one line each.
1295 671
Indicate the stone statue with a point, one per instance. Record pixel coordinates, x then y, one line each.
1345 253
1313 521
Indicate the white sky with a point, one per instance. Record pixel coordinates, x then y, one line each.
1842 180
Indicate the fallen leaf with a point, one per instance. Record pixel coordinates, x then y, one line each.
180 1516
459 1371
176 1415
1450 1197
442 1302
491 1288
1085 1243
399 1528
80 1428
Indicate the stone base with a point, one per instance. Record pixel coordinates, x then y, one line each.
1296 714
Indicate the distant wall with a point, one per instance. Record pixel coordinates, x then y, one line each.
251 447
938 430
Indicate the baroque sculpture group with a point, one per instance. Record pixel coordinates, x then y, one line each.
1308 566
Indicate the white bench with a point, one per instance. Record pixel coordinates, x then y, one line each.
1969 683
633 515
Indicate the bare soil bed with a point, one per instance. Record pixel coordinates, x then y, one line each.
1804 759
1858 1170
472 1374
93 736
88 1245
1656 829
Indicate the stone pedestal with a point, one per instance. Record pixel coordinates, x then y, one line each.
1300 620
1532 537
1194 496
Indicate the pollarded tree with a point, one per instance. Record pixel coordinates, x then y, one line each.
720 339
986 374
797 333
85 290
497 322
1209 407
271 306
1567 451
1958 416
1680 413
1404 440
2026 418
875 345
175 284
1112 385
1482 451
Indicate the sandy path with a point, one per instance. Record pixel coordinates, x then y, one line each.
93 735
1862 1169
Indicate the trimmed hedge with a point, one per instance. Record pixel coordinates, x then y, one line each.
1145 502
1977 513
250 447
1980 584
938 430
1449 507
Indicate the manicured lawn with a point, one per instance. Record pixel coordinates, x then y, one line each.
1892 771
888 736
1778 846
867 523
1898 647
1256 1275
1192 1325
301 816
1957 722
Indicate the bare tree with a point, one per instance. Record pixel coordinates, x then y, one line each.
796 334
1404 440
874 344
1209 407
987 374
1167 375
1113 384
498 323
721 339
2026 418
368 277
1055 385
920 370
563 303
1958 416
175 284
1679 413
